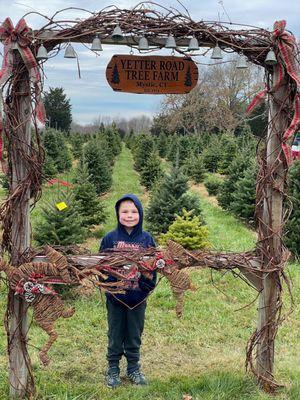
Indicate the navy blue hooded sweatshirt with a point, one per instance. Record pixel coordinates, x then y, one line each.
120 238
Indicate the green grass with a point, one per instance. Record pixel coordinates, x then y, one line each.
226 233
202 354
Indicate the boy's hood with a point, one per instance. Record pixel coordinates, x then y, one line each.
139 227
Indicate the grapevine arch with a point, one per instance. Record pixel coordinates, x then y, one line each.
21 78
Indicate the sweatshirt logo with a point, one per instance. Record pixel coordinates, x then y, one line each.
125 245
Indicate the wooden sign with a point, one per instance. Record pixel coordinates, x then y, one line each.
151 74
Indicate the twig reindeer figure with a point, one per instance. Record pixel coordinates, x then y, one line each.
30 280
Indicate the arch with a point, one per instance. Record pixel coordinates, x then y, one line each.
21 77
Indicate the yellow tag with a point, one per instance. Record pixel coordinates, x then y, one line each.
61 206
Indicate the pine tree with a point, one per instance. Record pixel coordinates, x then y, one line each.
198 169
187 230
162 145
77 141
98 167
243 203
211 155
49 168
292 228
142 151
213 184
172 148
228 144
151 172
56 150
58 109
168 199
60 227
194 168
88 205
235 171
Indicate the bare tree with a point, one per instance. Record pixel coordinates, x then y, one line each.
218 102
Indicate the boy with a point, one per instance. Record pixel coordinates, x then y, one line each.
126 312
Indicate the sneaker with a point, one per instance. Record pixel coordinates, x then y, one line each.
137 377
113 378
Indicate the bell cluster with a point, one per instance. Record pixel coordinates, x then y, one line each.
143 45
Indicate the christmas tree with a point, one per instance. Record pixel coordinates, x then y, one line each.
98 167
168 199
142 152
235 171
61 223
88 205
194 168
243 203
151 172
187 230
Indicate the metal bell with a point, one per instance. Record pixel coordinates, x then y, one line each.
143 44
117 33
96 44
242 63
42 53
170 43
70 52
271 58
217 53
193 45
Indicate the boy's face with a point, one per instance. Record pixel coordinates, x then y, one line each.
128 214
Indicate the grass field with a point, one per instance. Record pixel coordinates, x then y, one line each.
202 354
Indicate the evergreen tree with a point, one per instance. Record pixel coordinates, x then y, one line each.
77 140
56 150
212 155
98 167
88 205
213 184
63 160
185 149
187 230
58 109
168 199
172 148
194 168
143 152
151 172
292 228
109 139
162 145
228 145
49 168
235 171
198 169
60 227
244 195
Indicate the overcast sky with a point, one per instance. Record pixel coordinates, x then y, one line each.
91 96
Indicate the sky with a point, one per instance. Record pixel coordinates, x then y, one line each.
91 96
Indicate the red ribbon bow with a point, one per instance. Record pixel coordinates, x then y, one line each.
18 34
287 50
